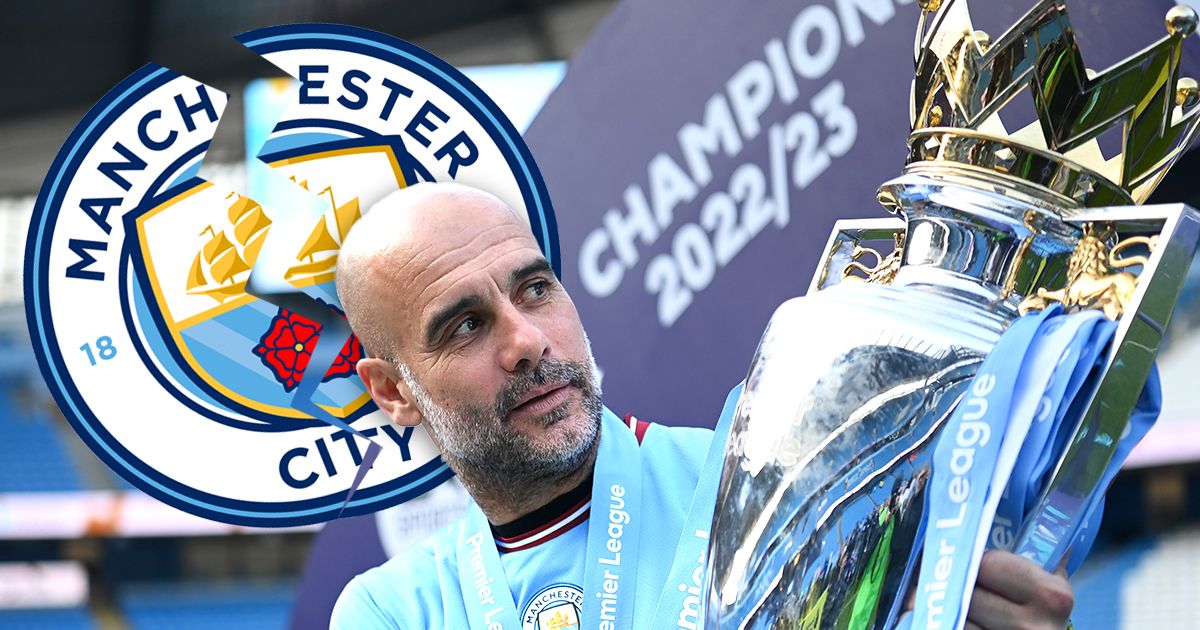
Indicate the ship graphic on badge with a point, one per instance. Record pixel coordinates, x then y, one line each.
222 265
561 617
216 343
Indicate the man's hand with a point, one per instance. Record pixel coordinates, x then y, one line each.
1012 593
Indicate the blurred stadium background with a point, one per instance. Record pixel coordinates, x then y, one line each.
81 549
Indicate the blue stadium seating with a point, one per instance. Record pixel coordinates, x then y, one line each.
1099 582
47 619
201 607
32 455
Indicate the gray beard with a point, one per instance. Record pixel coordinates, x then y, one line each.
498 464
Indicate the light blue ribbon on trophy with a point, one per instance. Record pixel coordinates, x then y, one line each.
610 575
1087 335
967 459
1091 355
614 529
1082 532
1057 366
1072 345
681 604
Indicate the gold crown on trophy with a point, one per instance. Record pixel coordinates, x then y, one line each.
964 80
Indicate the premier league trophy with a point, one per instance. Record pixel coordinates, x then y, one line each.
826 490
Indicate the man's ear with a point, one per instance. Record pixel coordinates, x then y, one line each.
389 391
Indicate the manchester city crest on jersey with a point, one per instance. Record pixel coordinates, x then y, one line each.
143 288
553 608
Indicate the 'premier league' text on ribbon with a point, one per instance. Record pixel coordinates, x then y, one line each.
618 518
483 581
972 433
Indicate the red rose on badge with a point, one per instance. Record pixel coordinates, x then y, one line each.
287 347
288 344
347 358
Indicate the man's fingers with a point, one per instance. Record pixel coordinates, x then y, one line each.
1009 575
1020 581
993 612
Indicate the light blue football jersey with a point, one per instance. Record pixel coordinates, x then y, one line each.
544 564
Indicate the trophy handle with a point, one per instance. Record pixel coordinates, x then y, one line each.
1049 529
844 250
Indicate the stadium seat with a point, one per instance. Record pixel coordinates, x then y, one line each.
196 607
47 619
32 455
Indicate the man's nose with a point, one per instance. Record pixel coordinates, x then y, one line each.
524 343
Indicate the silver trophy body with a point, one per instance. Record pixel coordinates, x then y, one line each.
828 456
822 488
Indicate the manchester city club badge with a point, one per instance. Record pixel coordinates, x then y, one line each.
140 297
553 608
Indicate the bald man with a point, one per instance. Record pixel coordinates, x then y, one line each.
576 513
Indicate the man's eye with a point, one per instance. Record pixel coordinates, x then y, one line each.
537 289
466 326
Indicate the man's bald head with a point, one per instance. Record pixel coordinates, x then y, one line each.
397 237
473 337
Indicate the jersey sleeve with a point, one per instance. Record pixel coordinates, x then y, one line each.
404 592
355 608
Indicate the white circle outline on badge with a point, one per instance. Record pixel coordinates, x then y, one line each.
48 205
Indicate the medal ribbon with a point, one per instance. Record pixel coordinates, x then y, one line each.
1079 533
610 575
1083 339
681 604
485 590
614 528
